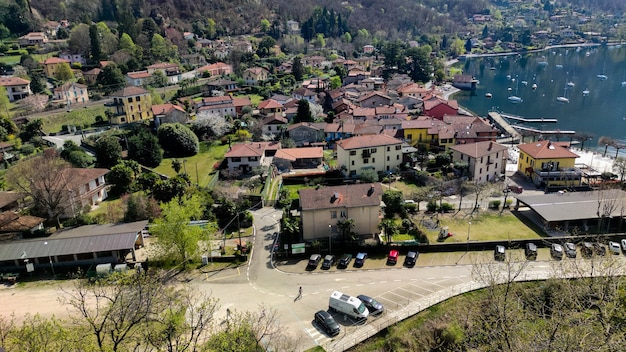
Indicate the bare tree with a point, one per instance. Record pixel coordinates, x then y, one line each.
606 142
619 167
46 180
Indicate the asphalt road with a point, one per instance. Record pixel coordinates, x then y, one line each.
403 291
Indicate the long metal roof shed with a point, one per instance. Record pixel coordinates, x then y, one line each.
83 239
569 206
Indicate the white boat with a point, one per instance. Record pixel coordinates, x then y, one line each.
508 76
563 99
623 83
542 63
525 83
559 67
509 89
488 95
602 77
570 84
534 86
585 92
492 68
515 99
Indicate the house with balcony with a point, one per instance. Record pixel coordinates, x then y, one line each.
323 209
381 153
274 124
17 88
549 163
171 71
71 93
130 104
73 58
220 105
86 188
486 161
244 157
287 159
216 69
33 38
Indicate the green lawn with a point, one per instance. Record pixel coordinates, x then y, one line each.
293 190
486 226
255 99
15 59
203 162
79 117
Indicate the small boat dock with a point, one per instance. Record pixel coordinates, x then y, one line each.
525 120
503 125
534 130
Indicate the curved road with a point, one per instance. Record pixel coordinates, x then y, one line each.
404 292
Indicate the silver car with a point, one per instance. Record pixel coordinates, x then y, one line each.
556 250
614 248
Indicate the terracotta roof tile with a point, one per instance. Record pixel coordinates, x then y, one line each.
346 196
293 154
547 150
477 150
367 141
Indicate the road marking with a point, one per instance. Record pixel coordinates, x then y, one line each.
359 285
397 280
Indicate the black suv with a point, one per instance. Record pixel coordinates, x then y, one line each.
531 251
344 261
326 321
329 260
411 258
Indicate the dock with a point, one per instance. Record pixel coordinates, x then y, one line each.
534 130
502 124
525 120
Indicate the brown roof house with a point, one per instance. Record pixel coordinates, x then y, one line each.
86 187
274 125
306 133
486 160
254 75
15 226
322 209
244 157
17 88
298 158
381 153
169 113
10 200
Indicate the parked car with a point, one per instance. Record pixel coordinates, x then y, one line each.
556 251
530 251
329 260
371 304
599 249
344 261
516 189
326 321
570 249
359 260
411 258
313 261
392 258
586 249
623 242
614 247
499 253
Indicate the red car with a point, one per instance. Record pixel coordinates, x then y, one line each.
393 257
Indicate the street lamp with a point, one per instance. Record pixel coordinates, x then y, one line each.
330 241
469 226
50 258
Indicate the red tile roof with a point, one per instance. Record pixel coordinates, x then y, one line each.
139 74
77 177
346 196
292 154
130 91
250 149
162 65
547 150
368 141
12 81
270 104
54 60
477 150
166 108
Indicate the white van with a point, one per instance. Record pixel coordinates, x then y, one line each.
351 306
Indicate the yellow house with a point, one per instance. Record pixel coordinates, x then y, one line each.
423 131
131 104
51 65
549 163
322 210
381 153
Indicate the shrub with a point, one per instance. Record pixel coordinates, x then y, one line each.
431 206
494 204
178 140
27 149
410 207
446 207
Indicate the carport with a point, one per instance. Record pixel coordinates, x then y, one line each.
562 210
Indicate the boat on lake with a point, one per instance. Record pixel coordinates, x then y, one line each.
585 92
488 95
571 84
515 99
534 86
602 77
559 67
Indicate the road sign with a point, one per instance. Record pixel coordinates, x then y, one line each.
298 248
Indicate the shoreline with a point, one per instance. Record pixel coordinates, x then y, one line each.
509 53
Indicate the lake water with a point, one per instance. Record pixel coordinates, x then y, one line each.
602 112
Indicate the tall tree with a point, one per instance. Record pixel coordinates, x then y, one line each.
64 72
111 79
304 112
94 40
46 180
297 69
144 148
175 238
108 151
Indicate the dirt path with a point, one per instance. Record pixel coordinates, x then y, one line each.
40 297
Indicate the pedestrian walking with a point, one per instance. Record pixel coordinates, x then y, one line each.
300 291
